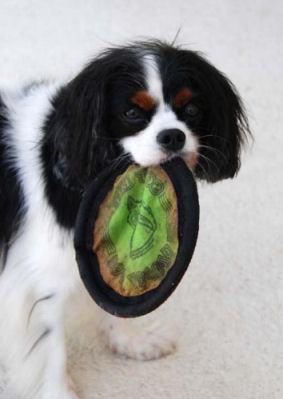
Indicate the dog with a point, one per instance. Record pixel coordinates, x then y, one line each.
149 101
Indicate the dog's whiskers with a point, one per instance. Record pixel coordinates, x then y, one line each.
118 160
209 160
203 170
213 149
214 136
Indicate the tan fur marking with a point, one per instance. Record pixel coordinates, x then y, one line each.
182 98
191 163
143 100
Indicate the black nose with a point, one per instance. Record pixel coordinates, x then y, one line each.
171 139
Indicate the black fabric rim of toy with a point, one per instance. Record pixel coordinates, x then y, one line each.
187 202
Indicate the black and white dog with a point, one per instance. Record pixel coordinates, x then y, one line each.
147 100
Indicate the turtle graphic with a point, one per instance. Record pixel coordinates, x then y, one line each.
144 225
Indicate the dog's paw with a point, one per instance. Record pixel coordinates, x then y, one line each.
70 395
66 394
133 343
66 391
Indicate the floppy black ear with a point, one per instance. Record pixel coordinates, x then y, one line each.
224 128
77 123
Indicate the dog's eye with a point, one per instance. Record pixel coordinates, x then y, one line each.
192 111
132 113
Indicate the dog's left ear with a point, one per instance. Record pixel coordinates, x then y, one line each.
225 127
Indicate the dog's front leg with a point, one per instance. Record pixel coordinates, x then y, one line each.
56 383
32 345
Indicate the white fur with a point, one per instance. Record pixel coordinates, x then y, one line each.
41 271
143 146
41 263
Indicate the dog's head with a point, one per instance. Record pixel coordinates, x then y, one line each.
151 101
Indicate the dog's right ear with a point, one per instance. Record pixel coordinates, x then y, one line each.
76 121
78 117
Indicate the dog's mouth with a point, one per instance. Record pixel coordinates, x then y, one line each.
169 157
160 157
190 158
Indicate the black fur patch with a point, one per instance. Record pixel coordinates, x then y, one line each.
11 194
62 193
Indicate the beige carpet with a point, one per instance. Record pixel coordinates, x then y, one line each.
227 312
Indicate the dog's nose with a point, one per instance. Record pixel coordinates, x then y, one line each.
171 139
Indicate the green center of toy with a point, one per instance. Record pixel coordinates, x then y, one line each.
135 234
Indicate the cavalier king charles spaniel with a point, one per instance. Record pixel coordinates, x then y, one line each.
149 101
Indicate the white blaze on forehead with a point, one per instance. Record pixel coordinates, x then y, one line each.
153 78
164 115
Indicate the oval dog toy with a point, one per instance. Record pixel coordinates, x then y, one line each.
135 235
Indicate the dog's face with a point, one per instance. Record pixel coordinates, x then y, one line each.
152 102
154 121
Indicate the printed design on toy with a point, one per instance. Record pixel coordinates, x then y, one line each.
142 220
156 271
144 225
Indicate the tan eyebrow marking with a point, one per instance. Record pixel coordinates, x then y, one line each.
143 100
182 98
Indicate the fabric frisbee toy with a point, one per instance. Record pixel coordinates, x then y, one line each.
135 234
